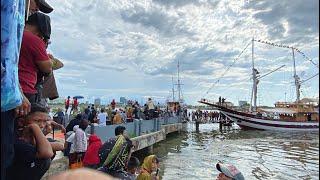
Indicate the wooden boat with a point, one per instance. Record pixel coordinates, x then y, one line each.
301 115
257 121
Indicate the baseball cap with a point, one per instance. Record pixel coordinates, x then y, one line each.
230 171
44 6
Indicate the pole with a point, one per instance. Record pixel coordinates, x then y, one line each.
178 82
296 78
172 90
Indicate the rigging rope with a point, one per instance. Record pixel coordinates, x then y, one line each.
224 73
288 47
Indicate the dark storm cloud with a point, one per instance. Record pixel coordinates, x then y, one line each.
192 59
157 19
302 17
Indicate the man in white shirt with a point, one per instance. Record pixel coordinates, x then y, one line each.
102 118
151 108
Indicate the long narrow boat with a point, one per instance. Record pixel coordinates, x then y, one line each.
257 121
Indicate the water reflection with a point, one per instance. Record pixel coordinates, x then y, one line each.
258 154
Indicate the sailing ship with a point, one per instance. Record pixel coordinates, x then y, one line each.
300 115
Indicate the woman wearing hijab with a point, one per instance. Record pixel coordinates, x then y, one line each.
149 168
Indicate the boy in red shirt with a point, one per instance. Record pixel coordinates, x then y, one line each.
33 56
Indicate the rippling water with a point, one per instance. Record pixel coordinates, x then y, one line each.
257 154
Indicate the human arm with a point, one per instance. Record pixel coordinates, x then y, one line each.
25 107
55 124
56 63
44 149
57 146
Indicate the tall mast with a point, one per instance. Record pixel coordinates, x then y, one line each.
255 83
172 90
179 84
179 87
296 77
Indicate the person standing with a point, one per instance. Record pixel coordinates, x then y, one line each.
33 56
113 104
75 105
151 108
13 102
67 104
102 118
117 118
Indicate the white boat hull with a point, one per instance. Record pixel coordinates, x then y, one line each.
249 121
274 125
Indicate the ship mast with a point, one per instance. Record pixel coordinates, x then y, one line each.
179 84
296 77
172 90
255 83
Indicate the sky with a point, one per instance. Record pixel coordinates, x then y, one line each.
131 48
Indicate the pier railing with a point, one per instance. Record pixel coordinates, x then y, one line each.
136 128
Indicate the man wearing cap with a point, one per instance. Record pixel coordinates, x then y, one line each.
228 172
33 56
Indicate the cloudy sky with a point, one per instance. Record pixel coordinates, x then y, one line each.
131 48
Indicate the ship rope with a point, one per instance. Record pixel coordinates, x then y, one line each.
228 68
288 47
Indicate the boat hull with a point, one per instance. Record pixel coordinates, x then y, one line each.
274 125
249 121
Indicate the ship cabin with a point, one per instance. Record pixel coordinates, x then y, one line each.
302 111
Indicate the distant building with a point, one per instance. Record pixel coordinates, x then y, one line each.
123 100
97 102
242 103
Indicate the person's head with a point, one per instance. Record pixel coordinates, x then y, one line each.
150 163
38 115
102 110
149 99
133 165
81 173
119 130
36 5
75 128
79 116
39 25
68 97
83 124
228 172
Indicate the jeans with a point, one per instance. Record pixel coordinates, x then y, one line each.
7 141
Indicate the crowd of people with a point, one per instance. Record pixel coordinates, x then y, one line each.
111 114
212 116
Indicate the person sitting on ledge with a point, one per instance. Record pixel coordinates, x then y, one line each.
33 151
